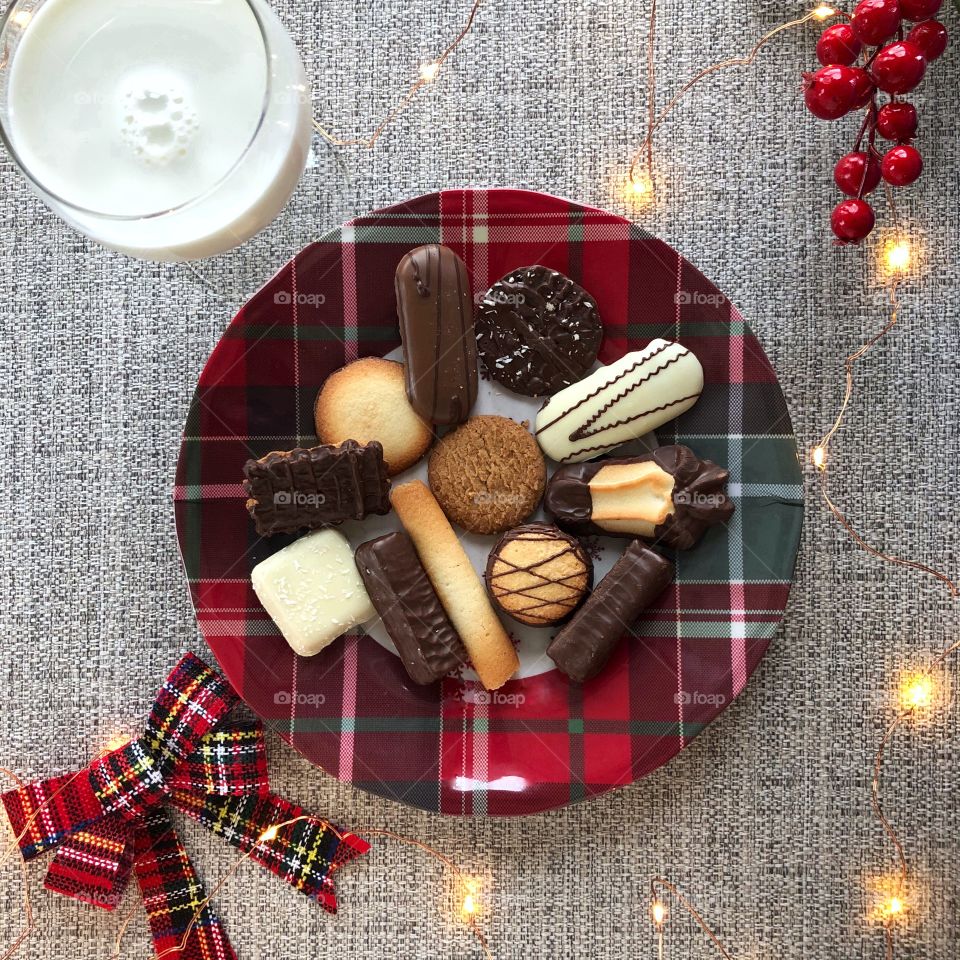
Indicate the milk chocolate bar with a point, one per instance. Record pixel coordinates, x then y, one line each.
316 487
582 648
638 393
669 496
437 331
410 609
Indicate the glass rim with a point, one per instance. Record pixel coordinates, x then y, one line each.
72 207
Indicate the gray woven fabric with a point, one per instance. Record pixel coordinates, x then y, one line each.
764 821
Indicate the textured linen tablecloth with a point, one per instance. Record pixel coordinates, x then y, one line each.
764 820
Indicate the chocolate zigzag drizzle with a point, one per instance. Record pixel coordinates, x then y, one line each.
574 585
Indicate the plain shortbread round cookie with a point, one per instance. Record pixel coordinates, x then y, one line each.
488 474
367 400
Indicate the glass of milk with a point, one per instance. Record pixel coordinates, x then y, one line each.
167 129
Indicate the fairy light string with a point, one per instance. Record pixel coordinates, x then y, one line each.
428 73
643 186
917 694
659 914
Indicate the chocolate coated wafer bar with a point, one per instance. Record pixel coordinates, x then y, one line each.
411 611
582 648
316 487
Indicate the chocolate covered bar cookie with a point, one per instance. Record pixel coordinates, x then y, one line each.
582 648
303 489
411 611
435 309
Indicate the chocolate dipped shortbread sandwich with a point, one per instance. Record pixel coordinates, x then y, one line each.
670 496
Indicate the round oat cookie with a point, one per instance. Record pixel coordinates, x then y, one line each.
367 400
488 474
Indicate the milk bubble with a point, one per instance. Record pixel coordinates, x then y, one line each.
157 122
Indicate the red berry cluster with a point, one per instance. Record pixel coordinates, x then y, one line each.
893 61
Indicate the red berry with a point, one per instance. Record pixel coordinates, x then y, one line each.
919 9
897 121
876 20
832 92
852 220
902 166
899 67
931 37
854 172
838 44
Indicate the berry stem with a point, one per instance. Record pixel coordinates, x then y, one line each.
869 123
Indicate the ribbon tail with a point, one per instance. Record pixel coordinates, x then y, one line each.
182 925
46 812
305 854
93 865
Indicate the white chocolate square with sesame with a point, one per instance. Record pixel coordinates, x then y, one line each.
313 591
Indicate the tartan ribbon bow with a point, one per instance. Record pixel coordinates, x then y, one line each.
110 820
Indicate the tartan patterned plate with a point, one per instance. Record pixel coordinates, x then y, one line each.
540 742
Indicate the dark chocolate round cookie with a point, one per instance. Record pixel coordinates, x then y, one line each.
538 331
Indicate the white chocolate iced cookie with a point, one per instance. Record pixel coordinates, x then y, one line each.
638 393
313 591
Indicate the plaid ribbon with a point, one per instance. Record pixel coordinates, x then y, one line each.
108 820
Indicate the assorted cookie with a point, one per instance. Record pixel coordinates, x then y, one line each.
670 496
435 309
312 591
538 331
303 489
538 574
460 589
488 475
621 402
538 334
367 401
412 613
581 648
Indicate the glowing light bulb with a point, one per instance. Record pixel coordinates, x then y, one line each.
824 12
895 907
899 255
469 905
917 692
269 834
818 456
658 912
429 71
117 741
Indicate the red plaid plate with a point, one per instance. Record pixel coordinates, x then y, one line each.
540 742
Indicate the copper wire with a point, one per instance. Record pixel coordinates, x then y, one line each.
411 92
